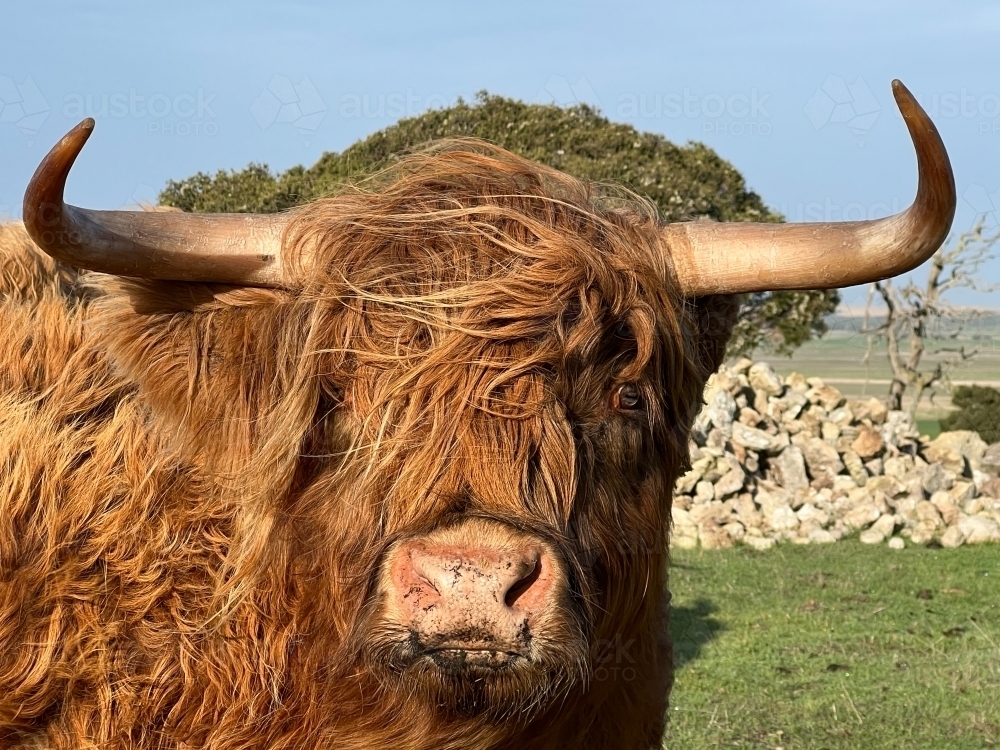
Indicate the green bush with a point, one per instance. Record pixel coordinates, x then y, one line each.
686 182
978 410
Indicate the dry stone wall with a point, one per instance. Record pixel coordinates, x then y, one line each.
792 460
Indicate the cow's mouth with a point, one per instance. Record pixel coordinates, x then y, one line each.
460 659
478 671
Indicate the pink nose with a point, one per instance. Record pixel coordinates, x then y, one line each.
477 599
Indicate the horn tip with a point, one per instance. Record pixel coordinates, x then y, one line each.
84 128
79 135
900 93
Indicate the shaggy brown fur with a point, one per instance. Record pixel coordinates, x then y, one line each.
26 273
198 484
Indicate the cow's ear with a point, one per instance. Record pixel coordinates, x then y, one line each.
217 367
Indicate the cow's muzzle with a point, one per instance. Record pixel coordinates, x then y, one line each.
473 595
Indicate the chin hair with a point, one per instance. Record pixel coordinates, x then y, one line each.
518 688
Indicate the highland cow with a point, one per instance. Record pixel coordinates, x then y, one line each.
392 470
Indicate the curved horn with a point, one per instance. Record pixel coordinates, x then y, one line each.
222 248
732 258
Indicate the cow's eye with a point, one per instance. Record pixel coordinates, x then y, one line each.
627 397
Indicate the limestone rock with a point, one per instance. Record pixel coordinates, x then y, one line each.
962 491
842 416
966 443
713 536
704 492
686 483
684 532
898 429
752 438
821 457
936 478
789 406
829 431
953 537
747 513
797 381
855 467
941 454
730 483
868 443
972 506
736 530
886 524
789 469
946 506
991 487
897 466
782 518
742 365
809 512
723 380
889 486
825 395
843 484
922 534
979 529
874 467
862 515
821 536
764 379
990 461
770 496
868 408
721 410
928 513
871 536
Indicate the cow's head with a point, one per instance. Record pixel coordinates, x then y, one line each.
454 401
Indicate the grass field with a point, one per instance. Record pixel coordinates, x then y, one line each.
836 646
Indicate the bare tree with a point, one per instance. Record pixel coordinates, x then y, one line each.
916 313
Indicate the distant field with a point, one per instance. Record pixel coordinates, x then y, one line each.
838 359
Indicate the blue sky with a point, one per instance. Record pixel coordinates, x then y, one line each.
795 94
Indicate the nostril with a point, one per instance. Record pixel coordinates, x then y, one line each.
422 568
522 585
